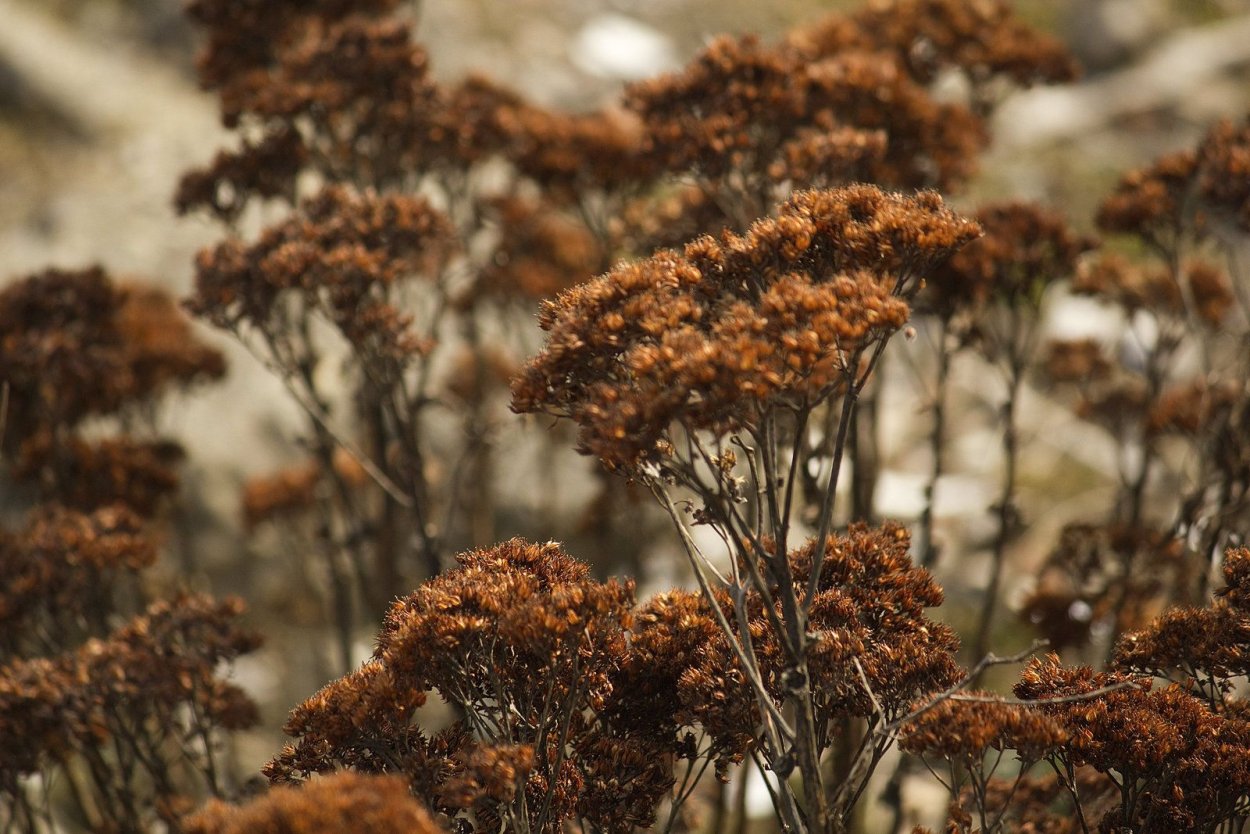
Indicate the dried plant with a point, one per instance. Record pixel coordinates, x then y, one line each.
387 236
527 648
77 345
338 804
122 710
673 365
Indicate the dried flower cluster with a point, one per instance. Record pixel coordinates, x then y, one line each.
525 646
1126 753
74 345
1102 573
340 257
873 652
984 40
125 711
61 568
1181 193
135 710
539 252
1024 248
846 99
714 336
746 109
338 804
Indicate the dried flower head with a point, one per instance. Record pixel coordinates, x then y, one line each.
1173 759
245 38
714 335
1224 165
1192 407
1204 648
341 257
742 109
1080 361
60 570
338 804
868 614
74 344
1024 249
85 476
1152 202
541 251
1133 287
1236 571
294 490
1100 573
266 168
964 731
571 154
1207 645
126 702
985 40
527 646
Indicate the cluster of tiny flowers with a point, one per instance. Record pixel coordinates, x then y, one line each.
529 649
714 335
338 804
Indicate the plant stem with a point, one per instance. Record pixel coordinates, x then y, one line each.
1006 512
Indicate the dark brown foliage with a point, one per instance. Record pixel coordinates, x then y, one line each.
73 344
1125 752
568 155
1080 361
1179 193
60 570
136 710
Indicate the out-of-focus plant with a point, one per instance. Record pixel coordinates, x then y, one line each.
120 706
1173 400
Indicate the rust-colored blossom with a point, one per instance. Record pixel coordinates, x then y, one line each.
125 706
59 572
744 109
75 344
341 256
526 645
712 336
338 804
984 39
964 731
